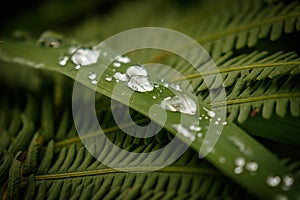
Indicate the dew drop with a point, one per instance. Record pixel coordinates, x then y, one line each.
240 161
120 77
273 181
288 180
92 75
50 39
123 59
183 131
108 79
83 56
179 103
219 119
252 166
216 122
224 123
166 85
210 113
199 135
117 64
195 128
63 60
154 97
238 170
136 70
77 66
140 84
94 82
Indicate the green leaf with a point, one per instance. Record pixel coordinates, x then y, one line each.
233 142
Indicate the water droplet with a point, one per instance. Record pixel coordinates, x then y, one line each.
120 77
216 122
210 113
273 181
108 79
224 123
50 39
63 60
94 82
140 84
136 70
195 128
77 66
179 103
123 59
222 160
199 135
156 85
238 170
183 131
240 161
166 85
117 64
84 56
92 75
176 87
200 118
205 117
219 118
288 180
154 97
252 166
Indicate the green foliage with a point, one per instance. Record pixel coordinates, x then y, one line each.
43 157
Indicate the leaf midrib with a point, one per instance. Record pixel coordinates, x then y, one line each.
183 170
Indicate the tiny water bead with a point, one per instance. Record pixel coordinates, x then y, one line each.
200 135
120 77
195 128
92 75
240 161
50 39
108 79
183 131
136 70
210 113
117 64
238 170
94 82
85 56
252 166
123 59
140 84
273 181
288 180
180 103
63 60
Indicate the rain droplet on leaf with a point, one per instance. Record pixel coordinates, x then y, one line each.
123 59
136 70
273 181
63 60
108 79
252 166
140 84
117 64
92 75
183 131
120 77
83 56
240 161
180 103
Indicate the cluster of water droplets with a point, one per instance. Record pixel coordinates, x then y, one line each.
241 165
285 181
